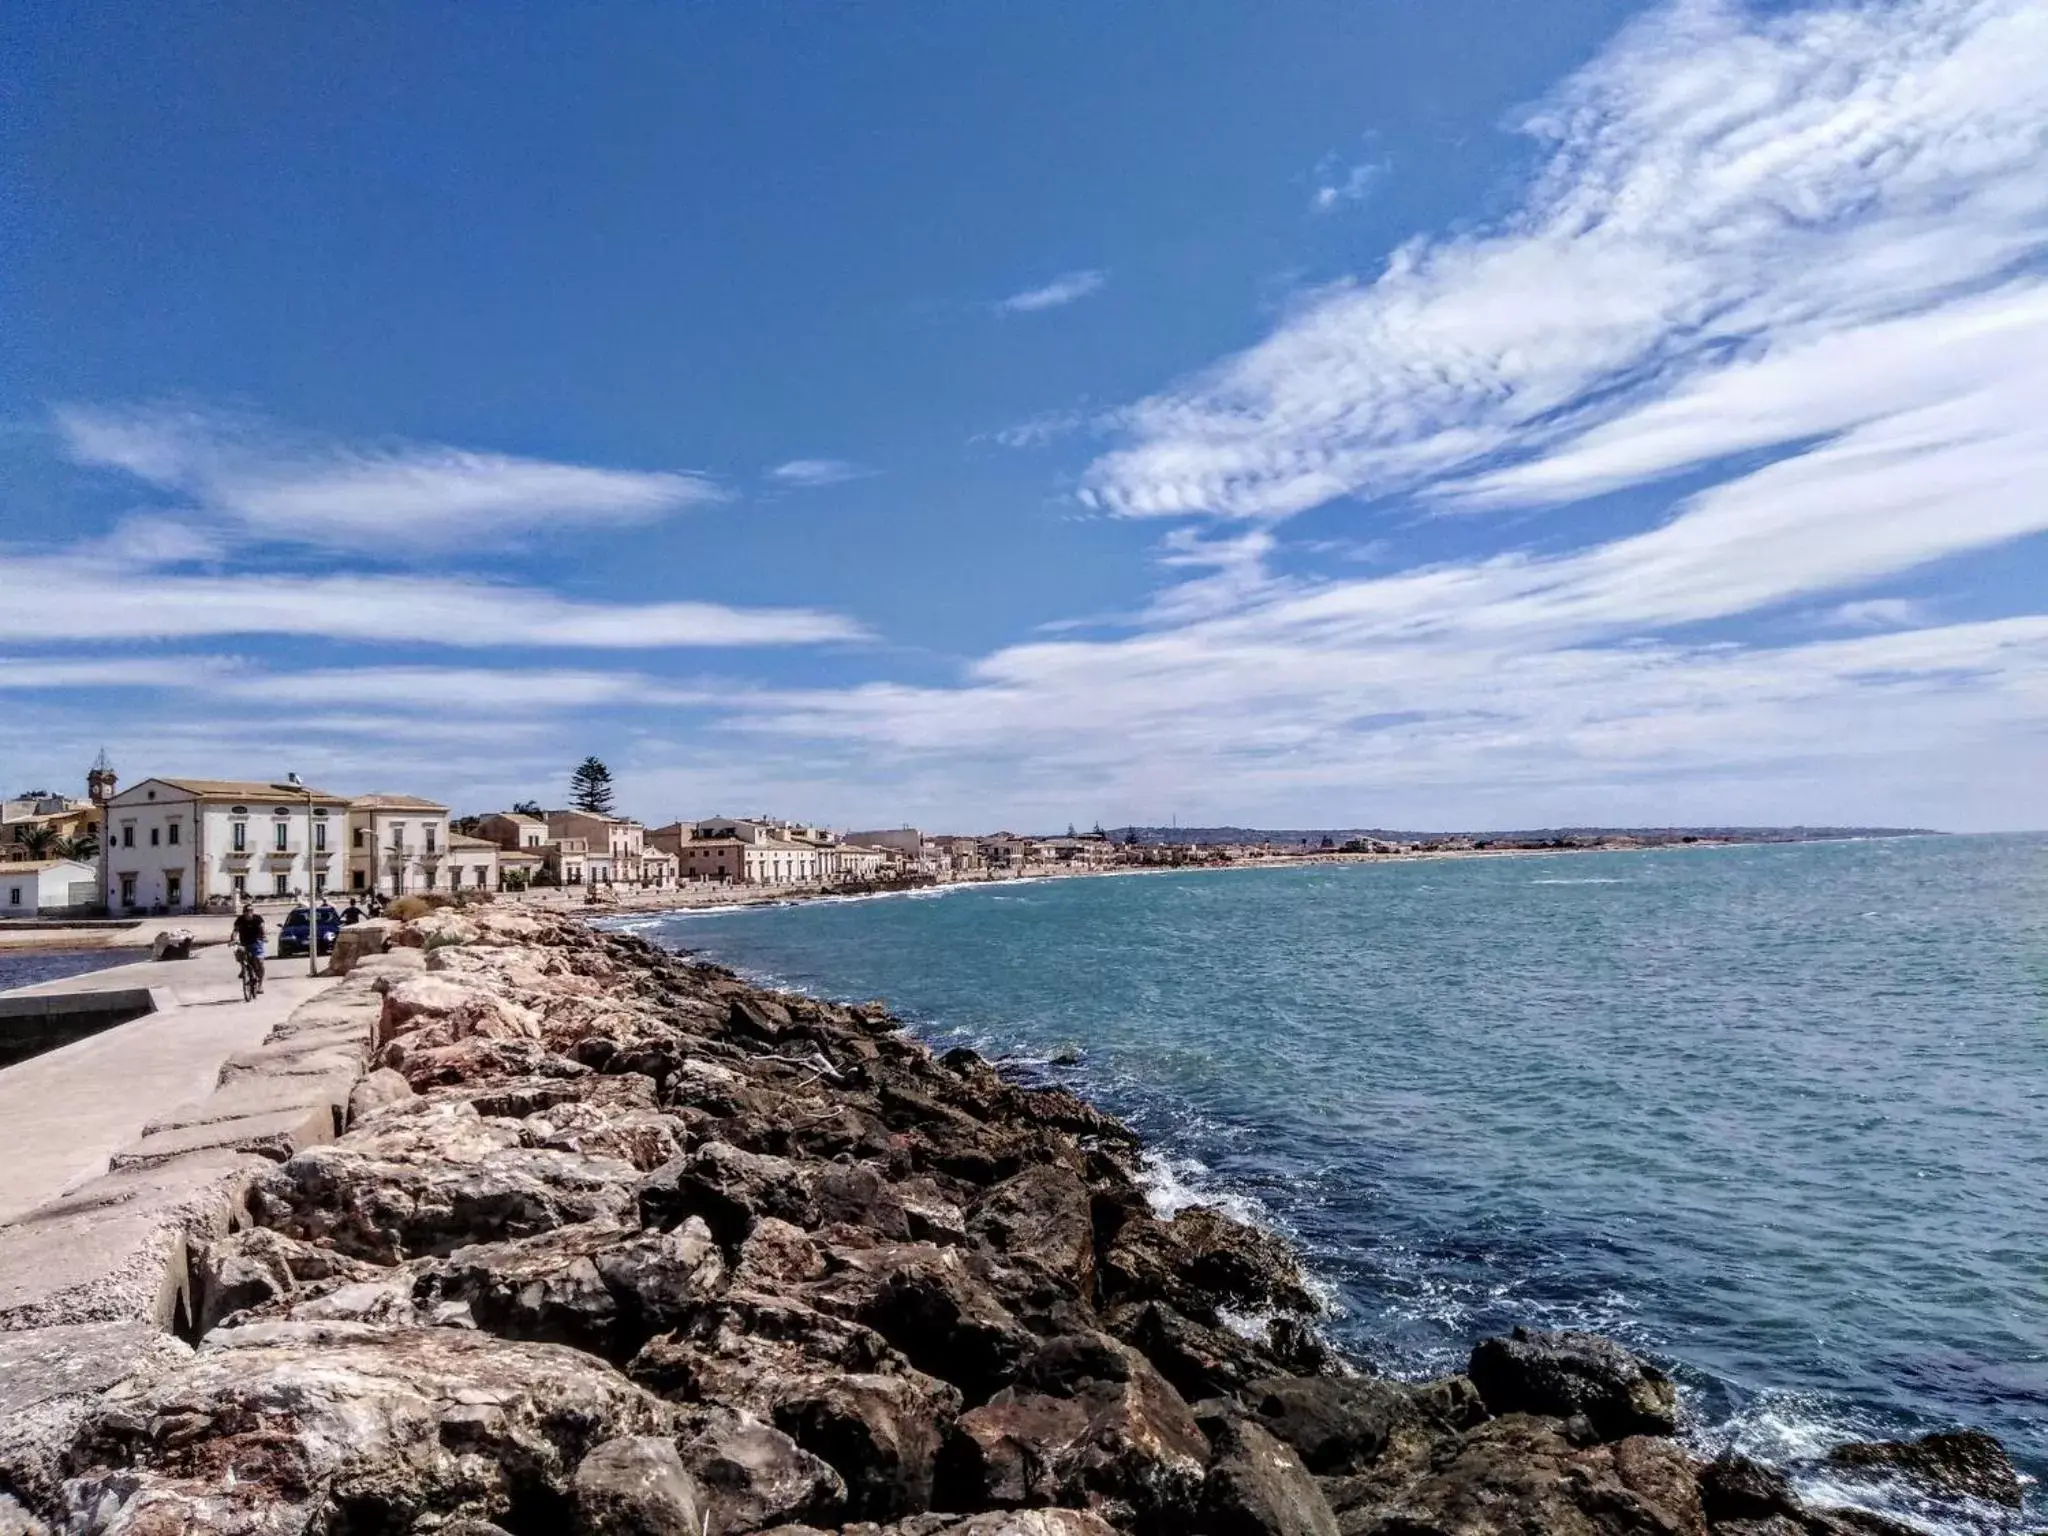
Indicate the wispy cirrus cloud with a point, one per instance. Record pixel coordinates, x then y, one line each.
809 474
1722 186
291 490
1338 184
46 598
1068 288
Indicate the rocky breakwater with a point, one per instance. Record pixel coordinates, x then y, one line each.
615 1243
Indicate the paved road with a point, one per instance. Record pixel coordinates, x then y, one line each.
64 1113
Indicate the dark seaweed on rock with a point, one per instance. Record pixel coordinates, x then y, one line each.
617 1243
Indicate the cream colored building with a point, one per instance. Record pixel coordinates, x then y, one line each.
398 844
473 863
185 844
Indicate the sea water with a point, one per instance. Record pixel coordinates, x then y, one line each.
1777 1115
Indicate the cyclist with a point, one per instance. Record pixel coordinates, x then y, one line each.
249 935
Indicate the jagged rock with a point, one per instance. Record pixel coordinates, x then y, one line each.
1958 1461
1199 1360
282 1427
16 1521
645 1138
381 1088
833 1386
778 1256
754 1475
935 1304
49 1380
256 1266
1345 1425
1518 1475
859 1196
431 1183
597 1286
1041 1217
730 1189
1200 1260
1256 1486
637 1486
1736 1488
1089 1422
1567 1373
438 1009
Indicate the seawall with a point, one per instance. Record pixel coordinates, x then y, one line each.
527 1228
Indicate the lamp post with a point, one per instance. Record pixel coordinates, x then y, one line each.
312 881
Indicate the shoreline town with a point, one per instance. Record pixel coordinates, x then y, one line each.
521 1226
166 847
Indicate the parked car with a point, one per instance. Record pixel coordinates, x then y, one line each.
291 935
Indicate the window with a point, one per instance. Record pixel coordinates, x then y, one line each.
241 887
281 885
240 841
282 833
155 836
14 895
357 840
319 837
356 881
430 879
127 890
238 810
172 837
174 887
127 834
320 881
398 837
431 831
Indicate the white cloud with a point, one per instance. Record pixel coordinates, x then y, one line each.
1065 289
809 473
333 495
1347 184
1877 613
53 598
1721 186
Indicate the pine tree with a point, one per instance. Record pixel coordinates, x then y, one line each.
528 808
590 787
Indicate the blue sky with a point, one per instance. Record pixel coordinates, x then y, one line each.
1369 413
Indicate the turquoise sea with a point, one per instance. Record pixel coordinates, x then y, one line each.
1777 1115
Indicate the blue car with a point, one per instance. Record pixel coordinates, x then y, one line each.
291 935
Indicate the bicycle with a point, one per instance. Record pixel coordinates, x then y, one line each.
252 972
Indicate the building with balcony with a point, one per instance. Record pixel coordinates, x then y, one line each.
398 845
185 844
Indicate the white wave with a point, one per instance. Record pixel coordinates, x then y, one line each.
1588 880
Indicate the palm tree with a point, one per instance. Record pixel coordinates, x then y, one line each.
38 839
85 847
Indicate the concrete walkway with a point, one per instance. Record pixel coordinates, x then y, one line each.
64 1113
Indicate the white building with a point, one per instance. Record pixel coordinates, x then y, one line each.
47 885
398 844
472 863
184 844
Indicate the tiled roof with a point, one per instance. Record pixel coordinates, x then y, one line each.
464 840
243 789
32 866
394 803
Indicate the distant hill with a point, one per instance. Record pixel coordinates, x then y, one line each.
1533 837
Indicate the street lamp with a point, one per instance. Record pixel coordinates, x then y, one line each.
312 881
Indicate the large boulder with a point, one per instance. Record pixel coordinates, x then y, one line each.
637 1486
256 1267
1567 1373
754 1475
1041 1218
1089 1423
729 1189
50 1379
438 1009
937 1305
1953 1461
1348 1425
1200 1260
1257 1486
595 1286
1519 1475
833 1386
282 1427
432 1182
